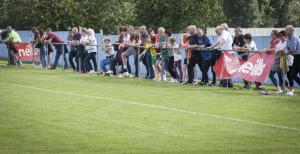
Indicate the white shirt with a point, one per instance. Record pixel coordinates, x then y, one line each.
110 50
177 56
226 36
251 46
92 44
282 46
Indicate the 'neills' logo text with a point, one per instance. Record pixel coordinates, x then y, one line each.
254 69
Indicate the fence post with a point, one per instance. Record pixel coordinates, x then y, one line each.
63 56
161 65
46 47
32 46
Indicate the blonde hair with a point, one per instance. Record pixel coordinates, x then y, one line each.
107 39
225 26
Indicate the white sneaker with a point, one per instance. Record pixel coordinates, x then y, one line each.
279 91
120 76
164 77
126 74
109 72
92 72
290 92
172 80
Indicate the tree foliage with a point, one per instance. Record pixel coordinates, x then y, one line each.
172 14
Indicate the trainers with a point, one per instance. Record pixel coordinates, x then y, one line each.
109 72
126 74
290 92
91 72
279 91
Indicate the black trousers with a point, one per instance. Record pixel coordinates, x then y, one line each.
195 59
296 69
204 67
115 62
72 55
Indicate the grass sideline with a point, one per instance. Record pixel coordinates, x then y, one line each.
53 111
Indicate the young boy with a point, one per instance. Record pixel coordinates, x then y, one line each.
109 54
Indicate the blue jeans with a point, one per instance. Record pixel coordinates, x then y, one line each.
274 80
43 55
57 56
105 62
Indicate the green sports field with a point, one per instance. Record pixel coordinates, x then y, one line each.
44 111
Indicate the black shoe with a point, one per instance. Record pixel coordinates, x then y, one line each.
52 68
212 84
188 82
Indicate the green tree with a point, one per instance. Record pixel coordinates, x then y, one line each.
176 15
242 13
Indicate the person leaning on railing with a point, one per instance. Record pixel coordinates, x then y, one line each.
224 42
293 47
238 42
286 62
13 37
59 45
248 46
74 39
38 40
275 66
81 54
4 35
91 49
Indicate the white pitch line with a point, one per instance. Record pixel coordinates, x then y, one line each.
156 107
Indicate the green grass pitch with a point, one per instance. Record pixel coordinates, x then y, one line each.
45 111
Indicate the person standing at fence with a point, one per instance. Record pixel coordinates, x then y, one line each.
132 45
144 36
177 59
74 41
13 37
195 53
168 57
227 82
109 54
206 56
224 42
91 49
160 41
39 38
276 66
286 62
293 47
4 36
249 46
120 47
82 53
52 38
184 42
238 42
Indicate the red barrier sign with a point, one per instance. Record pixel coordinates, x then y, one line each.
256 68
25 52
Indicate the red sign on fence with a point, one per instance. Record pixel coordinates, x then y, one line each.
25 51
256 68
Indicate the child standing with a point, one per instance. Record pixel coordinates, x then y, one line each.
177 59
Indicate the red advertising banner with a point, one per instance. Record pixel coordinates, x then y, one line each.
256 68
25 51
